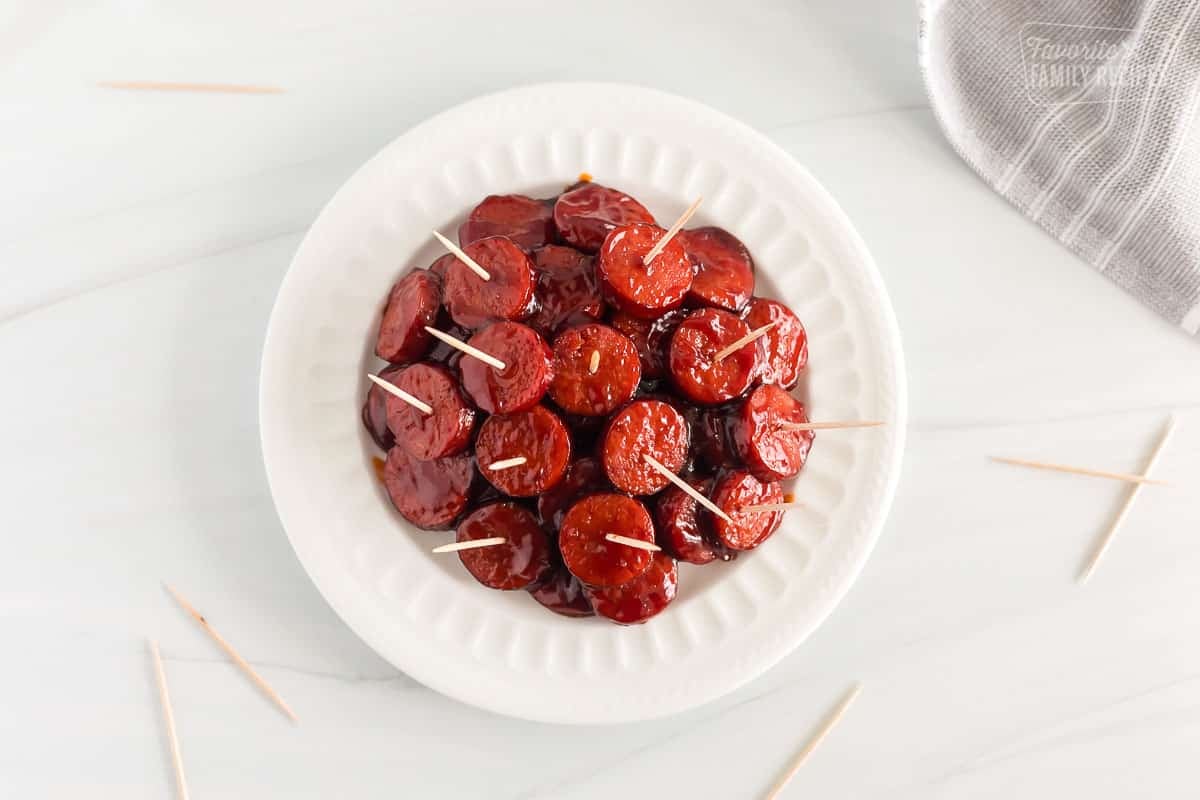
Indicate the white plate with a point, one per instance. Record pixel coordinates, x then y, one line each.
501 650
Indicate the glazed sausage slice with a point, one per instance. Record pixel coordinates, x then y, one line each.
580 389
682 530
566 292
644 427
517 563
441 265
770 453
538 436
374 411
528 222
628 283
592 558
735 491
783 350
691 357
412 304
445 432
563 594
474 302
429 494
642 598
724 269
527 372
585 476
584 215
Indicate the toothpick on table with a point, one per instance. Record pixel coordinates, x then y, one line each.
462 346
507 463
167 86
686 487
594 362
742 342
463 257
823 731
1106 539
635 543
419 405
821 426
1095 473
169 718
661 244
473 544
258 680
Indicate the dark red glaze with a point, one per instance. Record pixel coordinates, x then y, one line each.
690 358
474 302
584 215
642 598
539 436
579 390
724 269
445 432
682 530
710 438
429 494
526 374
651 337
412 304
517 563
563 594
374 411
783 350
528 222
644 427
441 265
444 354
566 290
770 452
634 287
736 490
592 558
585 476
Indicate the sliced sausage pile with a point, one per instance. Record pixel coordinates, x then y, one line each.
606 360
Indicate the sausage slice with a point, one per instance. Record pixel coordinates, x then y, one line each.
527 369
474 302
695 371
640 428
770 453
579 389
634 287
566 292
517 563
412 304
682 530
563 594
733 492
584 215
429 494
592 558
724 269
528 222
783 350
445 432
642 598
538 436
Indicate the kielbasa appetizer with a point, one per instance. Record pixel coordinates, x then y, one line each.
588 398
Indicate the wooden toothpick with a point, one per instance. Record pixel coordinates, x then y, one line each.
507 463
253 675
392 389
594 362
816 739
661 244
1095 473
822 426
630 542
686 487
1107 537
463 257
462 346
167 86
745 340
473 544
767 507
169 718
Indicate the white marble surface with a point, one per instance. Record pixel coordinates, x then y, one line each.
141 243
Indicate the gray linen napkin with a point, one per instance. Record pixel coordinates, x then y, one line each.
1083 115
